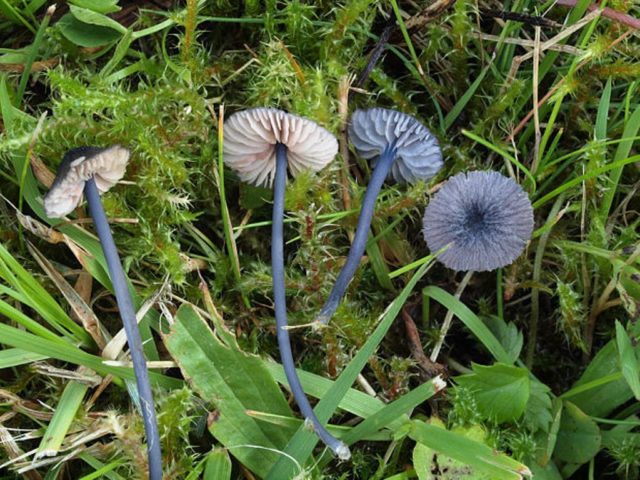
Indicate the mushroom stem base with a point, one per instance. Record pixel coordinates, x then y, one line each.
128 315
280 301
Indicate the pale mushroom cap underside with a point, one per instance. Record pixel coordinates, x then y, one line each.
250 138
106 165
418 154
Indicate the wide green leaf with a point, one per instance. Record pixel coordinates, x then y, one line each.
601 388
547 472
84 34
538 411
234 382
501 391
507 334
628 360
218 465
92 17
579 437
100 6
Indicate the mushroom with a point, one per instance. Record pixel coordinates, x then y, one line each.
94 171
260 144
485 219
398 146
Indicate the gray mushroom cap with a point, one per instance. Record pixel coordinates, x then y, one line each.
485 217
106 165
250 137
418 154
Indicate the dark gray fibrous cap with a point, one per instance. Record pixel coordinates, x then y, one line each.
486 217
250 138
418 154
106 165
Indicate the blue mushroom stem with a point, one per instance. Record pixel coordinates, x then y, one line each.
128 315
284 344
359 244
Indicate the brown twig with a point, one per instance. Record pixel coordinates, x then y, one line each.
524 42
35 67
415 346
376 53
428 14
520 17
536 113
113 220
343 113
294 64
607 12
106 381
44 175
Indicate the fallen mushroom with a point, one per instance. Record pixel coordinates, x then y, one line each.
260 144
399 146
94 171
485 219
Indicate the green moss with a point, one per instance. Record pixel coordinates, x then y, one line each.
166 126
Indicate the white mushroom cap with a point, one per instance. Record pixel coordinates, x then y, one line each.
250 138
418 154
106 165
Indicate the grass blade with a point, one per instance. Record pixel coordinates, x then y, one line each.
229 239
354 401
378 265
35 296
503 154
407 38
387 415
603 113
83 312
103 470
471 320
65 352
292 424
592 173
14 15
70 402
470 452
31 325
12 357
460 104
622 152
33 53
